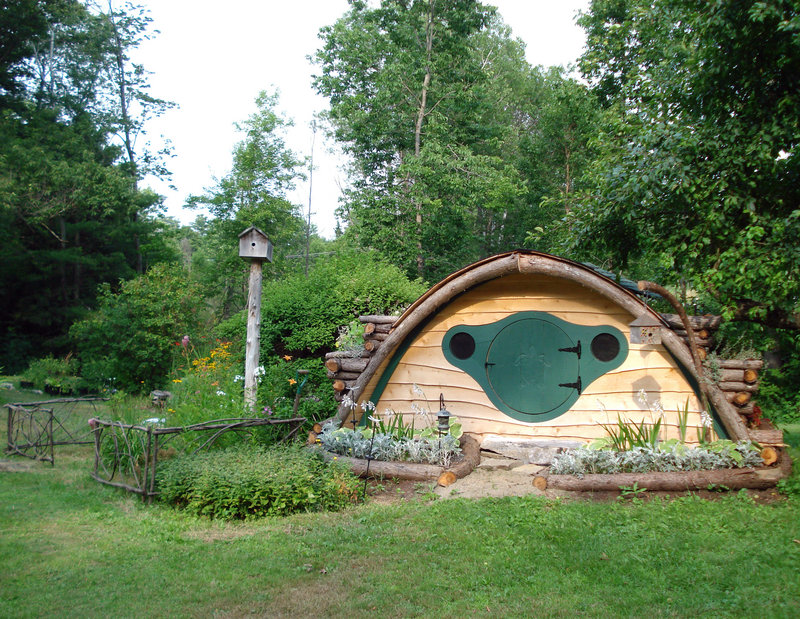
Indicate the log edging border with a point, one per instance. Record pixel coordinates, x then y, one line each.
759 478
417 471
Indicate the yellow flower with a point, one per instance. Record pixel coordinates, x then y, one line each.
292 381
287 357
177 380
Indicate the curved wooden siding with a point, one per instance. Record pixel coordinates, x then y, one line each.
647 367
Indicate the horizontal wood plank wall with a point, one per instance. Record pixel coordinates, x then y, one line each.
647 367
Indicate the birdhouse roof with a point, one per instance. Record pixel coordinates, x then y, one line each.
252 229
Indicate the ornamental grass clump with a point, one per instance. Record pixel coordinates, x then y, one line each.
250 481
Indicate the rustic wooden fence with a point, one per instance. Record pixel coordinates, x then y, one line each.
126 456
35 428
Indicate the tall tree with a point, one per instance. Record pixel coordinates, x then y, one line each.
69 204
698 165
253 193
455 139
400 78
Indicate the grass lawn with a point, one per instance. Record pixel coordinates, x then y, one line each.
71 547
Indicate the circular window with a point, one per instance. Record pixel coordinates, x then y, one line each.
462 345
605 347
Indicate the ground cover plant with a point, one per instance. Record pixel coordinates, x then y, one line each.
389 437
250 481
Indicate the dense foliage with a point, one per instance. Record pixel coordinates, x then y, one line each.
128 341
697 170
71 215
301 314
455 140
251 482
664 458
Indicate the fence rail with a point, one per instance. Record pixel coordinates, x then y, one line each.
126 455
30 432
35 428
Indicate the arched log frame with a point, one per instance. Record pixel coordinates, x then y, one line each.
536 263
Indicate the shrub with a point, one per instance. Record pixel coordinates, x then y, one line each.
54 375
127 342
249 481
301 315
367 443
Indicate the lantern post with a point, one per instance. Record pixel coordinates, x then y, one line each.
256 247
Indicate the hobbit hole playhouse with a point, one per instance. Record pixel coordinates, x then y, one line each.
536 353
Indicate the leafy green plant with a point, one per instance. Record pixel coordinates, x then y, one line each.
350 339
54 375
632 493
250 481
126 343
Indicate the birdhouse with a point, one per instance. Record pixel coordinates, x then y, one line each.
254 245
646 329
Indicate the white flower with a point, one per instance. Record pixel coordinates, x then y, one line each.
601 406
415 408
347 400
418 390
238 378
260 371
641 398
658 408
705 418
367 406
374 419
220 392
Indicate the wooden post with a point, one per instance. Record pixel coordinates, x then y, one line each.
253 345
256 247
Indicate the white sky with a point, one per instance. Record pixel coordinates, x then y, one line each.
212 58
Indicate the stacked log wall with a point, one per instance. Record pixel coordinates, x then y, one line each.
344 367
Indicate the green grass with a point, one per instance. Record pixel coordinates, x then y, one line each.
73 548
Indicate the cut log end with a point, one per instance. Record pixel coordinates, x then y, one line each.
446 479
741 399
769 455
540 483
750 376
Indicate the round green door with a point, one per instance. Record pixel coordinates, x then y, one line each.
533 366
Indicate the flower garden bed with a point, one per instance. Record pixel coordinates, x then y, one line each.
459 467
755 478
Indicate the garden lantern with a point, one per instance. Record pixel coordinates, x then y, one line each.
443 416
646 329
